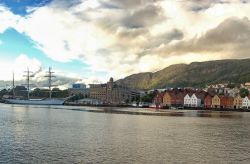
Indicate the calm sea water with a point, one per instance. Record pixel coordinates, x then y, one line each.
30 134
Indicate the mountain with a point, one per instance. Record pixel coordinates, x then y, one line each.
196 74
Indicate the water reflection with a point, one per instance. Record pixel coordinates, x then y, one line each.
59 134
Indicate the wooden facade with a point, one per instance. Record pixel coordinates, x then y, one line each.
238 102
208 101
226 102
173 99
216 102
158 99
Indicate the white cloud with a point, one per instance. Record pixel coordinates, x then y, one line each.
18 66
7 18
118 37
1 42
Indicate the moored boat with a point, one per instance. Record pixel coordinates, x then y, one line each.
36 101
28 101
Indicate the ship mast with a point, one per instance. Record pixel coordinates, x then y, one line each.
50 75
13 85
28 76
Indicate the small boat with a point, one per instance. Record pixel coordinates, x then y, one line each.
152 106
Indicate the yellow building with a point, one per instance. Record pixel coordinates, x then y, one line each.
238 102
216 102
167 99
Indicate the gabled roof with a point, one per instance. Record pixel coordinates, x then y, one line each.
200 95
216 96
188 94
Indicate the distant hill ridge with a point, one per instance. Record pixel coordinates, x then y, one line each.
196 74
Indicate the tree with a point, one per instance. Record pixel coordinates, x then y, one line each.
148 97
244 92
3 92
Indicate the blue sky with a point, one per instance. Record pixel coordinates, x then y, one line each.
14 43
20 6
93 40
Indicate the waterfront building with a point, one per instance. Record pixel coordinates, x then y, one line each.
226 102
230 102
112 93
158 99
167 98
238 102
216 102
172 98
246 102
208 101
187 100
78 86
79 89
196 100
232 92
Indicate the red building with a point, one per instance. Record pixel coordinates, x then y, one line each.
208 101
226 102
158 99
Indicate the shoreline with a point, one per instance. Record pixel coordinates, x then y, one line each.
162 109
164 112
147 111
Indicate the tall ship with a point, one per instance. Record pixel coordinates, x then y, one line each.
44 101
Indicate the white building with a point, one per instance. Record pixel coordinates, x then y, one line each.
195 101
187 100
231 92
245 102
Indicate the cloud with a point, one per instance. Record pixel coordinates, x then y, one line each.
18 65
121 37
231 38
128 4
1 42
8 19
145 16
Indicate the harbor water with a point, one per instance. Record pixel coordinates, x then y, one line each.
58 134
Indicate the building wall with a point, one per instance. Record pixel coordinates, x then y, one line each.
167 99
245 102
111 93
187 100
76 91
195 102
208 101
216 102
238 102
230 103
78 86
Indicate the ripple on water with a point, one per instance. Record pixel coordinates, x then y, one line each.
47 135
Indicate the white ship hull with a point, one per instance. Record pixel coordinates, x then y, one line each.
36 101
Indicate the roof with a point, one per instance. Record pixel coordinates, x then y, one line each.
247 83
200 95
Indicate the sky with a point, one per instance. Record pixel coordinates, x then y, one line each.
91 40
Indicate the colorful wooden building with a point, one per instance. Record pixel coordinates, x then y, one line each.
173 99
208 101
226 102
246 102
238 102
216 102
158 99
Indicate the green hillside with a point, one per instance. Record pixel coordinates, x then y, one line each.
196 74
